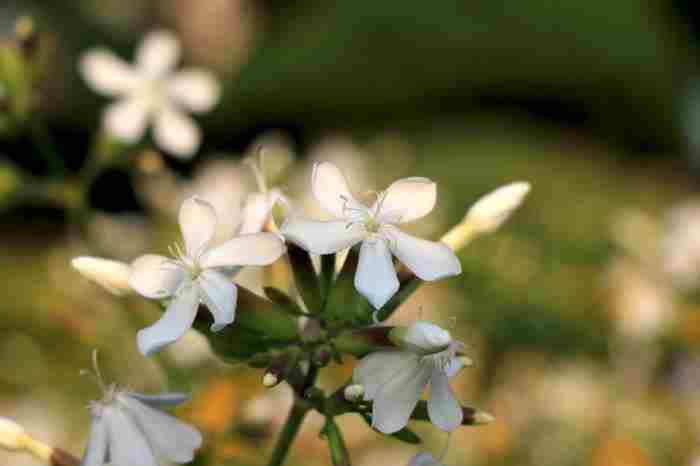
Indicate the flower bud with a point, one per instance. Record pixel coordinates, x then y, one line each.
421 336
111 275
12 436
493 209
354 392
270 380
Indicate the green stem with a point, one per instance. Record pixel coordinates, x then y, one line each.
336 444
289 431
44 143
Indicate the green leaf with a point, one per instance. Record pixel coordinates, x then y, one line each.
305 278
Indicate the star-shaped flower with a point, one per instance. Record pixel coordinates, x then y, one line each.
195 274
152 92
395 379
376 226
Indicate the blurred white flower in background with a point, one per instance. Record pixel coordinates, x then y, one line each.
152 92
680 245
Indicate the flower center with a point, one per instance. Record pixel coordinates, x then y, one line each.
372 225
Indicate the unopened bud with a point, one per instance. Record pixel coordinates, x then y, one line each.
482 417
354 392
270 380
493 209
111 275
322 355
26 34
12 436
421 336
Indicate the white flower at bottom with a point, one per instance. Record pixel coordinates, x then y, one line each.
423 459
152 91
376 227
395 379
128 429
197 274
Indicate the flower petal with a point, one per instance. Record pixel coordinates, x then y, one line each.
319 237
253 249
197 219
406 200
126 119
127 444
426 337
96 450
106 73
256 211
173 439
158 53
176 133
396 400
443 409
176 320
196 90
331 190
219 294
427 259
155 277
161 399
423 459
375 278
377 369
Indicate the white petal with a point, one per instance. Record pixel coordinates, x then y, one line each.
443 409
96 449
158 54
375 278
106 73
161 399
427 337
406 200
127 444
253 249
155 276
219 294
111 275
195 89
331 190
256 211
427 259
455 366
320 237
423 459
176 320
396 400
377 369
126 119
173 439
176 133
197 219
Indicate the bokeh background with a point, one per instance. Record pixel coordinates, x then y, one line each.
582 313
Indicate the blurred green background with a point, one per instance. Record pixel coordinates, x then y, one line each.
582 313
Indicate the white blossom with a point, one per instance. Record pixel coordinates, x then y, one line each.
195 275
376 227
128 429
152 92
493 209
395 379
111 275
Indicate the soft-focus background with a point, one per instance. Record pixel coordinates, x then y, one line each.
582 313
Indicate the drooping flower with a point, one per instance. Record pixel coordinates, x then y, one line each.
395 379
376 227
111 275
152 92
194 275
128 428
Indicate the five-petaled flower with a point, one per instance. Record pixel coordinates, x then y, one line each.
405 200
195 274
129 429
152 91
394 379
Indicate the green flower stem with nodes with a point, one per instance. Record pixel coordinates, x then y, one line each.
336 443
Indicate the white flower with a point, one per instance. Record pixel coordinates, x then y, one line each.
423 459
195 274
128 429
494 208
394 379
152 91
405 200
111 275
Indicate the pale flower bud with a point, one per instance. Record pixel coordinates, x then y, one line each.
354 392
111 275
422 336
270 380
493 209
12 436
